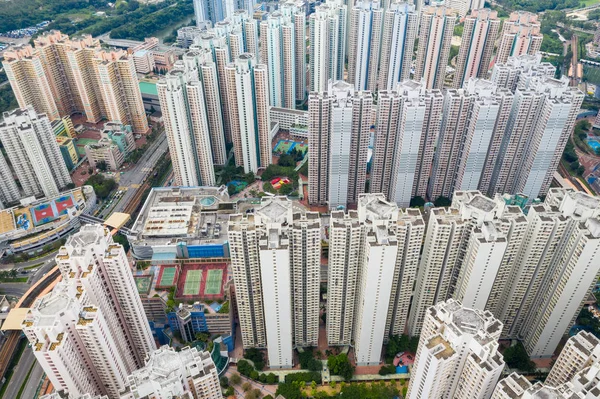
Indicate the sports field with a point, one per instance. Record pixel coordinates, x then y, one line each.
286 146
143 283
81 143
213 282
193 278
167 276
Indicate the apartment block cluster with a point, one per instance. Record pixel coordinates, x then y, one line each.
434 132
60 75
55 78
91 336
387 267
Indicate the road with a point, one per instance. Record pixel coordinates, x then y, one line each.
18 289
42 259
20 373
131 179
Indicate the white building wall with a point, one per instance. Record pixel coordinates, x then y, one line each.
277 294
376 278
339 162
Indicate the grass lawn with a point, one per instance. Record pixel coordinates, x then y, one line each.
33 266
589 2
14 280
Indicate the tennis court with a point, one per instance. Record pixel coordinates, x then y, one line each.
193 278
167 277
213 282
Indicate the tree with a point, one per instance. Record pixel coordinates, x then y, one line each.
271 379
235 379
229 392
417 202
340 365
121 239
442 201
253 394
246 386
102 186
516 357
202 336
286 189
224 381
102 166
256 356
387 369
290 390
286 160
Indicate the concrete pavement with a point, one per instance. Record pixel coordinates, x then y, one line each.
239 392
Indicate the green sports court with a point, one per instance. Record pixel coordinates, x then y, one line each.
167 276
213 282
193 278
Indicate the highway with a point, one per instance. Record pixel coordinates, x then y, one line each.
131 180
20 373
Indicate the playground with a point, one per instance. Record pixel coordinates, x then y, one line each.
167 276
143 283
204 281
286 146
593 142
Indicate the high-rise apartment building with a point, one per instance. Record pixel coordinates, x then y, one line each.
571 274
469 249
435 35
458 355
403 117
520 35
364 47
9 191
580 351
202 67
276 261
248 93
379 250
278 39
217 50
410 229
479 36
509 73
91 331
462 7
350 308
328 30
400 28
120 89
62 75
102 268
339 131
473 123
31 147
183 101
75 343
575 374
168 374
25 73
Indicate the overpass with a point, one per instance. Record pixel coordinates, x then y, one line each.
12 325
89 219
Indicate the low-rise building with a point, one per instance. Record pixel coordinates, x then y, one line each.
36 223
182 223
144 61
104 151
